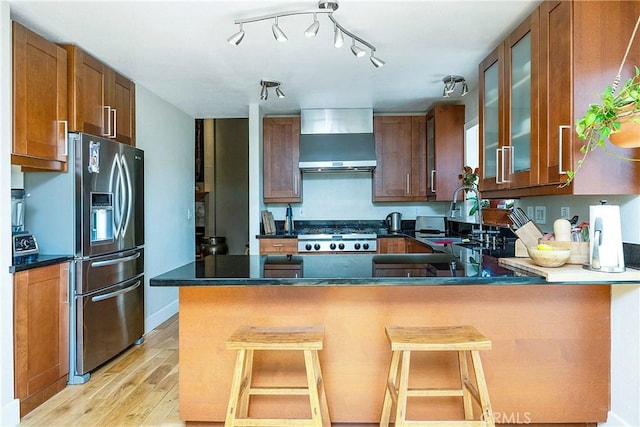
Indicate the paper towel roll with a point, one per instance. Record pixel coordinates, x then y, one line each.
609 244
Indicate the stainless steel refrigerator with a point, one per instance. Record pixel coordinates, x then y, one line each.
95 212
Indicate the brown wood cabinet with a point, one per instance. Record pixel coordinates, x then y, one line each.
401 245
278 246
281 154
573 59
508 110
41 334
39 102
101 101
401 270
401 147
445 150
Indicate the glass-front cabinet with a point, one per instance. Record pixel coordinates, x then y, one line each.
491 119
508 114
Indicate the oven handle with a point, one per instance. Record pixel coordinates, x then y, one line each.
116 293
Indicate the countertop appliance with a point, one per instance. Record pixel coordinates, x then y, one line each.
605 239
394 222
96 213
336 238
24 245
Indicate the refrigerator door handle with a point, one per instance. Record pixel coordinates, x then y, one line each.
114 186
128 196
115 293
115 261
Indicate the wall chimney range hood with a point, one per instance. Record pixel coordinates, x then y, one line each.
337 140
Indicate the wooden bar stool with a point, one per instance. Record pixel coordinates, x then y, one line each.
248 339
466 340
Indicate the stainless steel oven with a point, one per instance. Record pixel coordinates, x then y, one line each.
337 239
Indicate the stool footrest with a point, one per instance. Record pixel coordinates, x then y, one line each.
273 422
434 392
461 423
286 391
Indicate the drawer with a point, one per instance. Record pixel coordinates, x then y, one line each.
278 246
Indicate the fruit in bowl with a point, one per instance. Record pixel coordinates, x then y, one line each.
547 256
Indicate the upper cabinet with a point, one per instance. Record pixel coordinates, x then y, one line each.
445 150
281 153
101 101
537 84
400 174
508 110
39 102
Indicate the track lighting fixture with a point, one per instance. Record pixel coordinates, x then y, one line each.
324 7
264 92
450 85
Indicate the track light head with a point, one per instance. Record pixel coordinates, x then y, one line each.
236 38
338 38
465 89
278 33
377 62
357 50
279 92
312 31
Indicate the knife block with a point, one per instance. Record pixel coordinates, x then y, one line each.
529 234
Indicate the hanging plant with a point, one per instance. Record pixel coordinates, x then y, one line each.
615 119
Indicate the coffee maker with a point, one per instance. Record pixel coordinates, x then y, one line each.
24 244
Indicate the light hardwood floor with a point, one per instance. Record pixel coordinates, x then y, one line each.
138 388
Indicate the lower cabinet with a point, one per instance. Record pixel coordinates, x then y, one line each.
402 270
402 245
41 334
283 268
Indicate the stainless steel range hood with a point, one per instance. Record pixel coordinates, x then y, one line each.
337 140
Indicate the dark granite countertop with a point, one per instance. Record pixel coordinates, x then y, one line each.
336 270
28 263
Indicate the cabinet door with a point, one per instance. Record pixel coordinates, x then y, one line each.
39 101
445 125
87 90
122 102
392 245
414 247
520 151
392 175
281 154
556 91
491 121
41 334
418 182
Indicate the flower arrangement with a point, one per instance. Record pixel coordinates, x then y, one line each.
469 176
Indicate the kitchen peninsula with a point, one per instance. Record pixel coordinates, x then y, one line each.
547 338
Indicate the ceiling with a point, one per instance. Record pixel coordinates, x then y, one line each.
178 49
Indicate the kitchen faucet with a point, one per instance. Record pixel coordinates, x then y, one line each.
455 198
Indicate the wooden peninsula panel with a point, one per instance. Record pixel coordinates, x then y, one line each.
550 360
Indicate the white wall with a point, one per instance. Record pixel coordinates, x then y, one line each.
9 407
167 136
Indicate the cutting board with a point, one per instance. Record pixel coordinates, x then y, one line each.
571 272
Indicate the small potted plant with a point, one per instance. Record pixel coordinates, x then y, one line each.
615 119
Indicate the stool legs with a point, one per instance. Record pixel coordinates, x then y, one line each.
317 396
487 412
397 391
241 389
